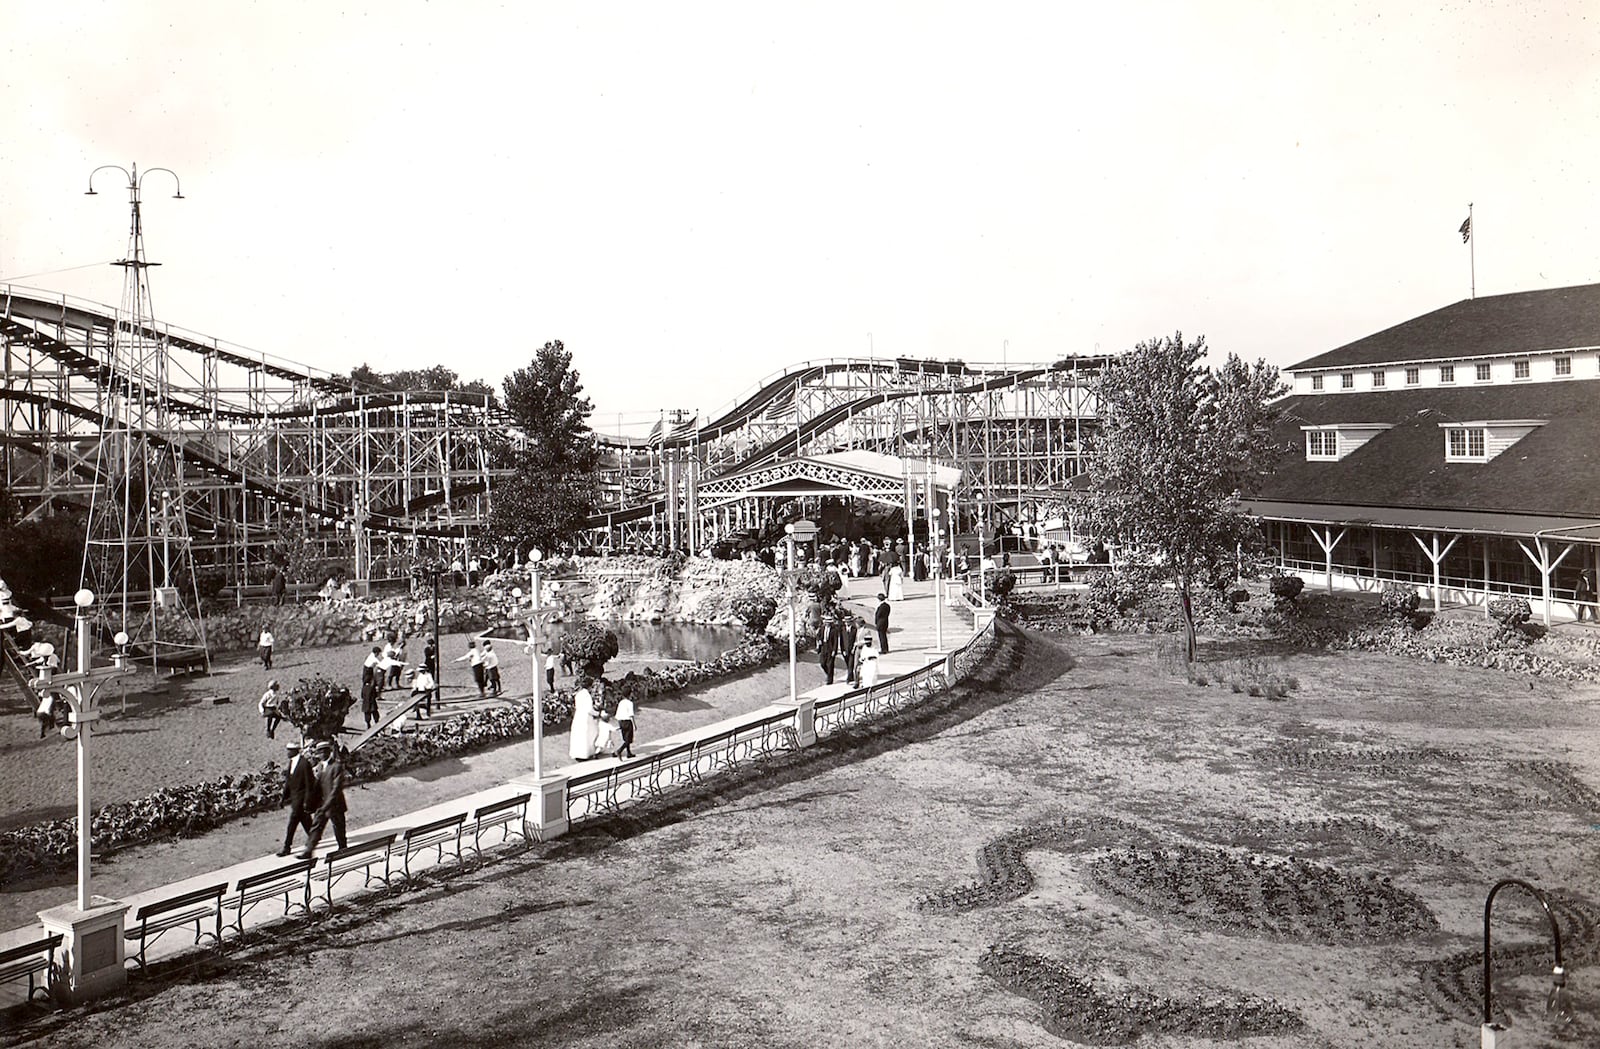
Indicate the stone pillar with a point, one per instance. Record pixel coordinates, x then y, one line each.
805 718
547 809
91 949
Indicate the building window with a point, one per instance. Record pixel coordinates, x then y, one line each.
1316 382
1521 371
1464 444
1379 378
1563 365
1347 381
1413 376
1447 373
1322 444
1483 373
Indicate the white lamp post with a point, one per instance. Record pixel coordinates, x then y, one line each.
938 578
794 687
92 930
534 557
983 588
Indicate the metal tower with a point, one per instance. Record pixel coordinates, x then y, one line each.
137 556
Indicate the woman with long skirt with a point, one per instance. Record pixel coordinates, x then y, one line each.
581 743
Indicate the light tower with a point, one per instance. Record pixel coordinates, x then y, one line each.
137 556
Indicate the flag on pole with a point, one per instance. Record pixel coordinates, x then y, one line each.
1466 230
655 435
685 428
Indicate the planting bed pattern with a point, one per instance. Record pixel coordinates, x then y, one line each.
1563 784
1454 985
1281 898
1075 1008
1335 837
1366 758
1002 874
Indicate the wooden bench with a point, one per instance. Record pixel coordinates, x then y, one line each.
359 857
31 959
511 816
289 881
196 907
708 749
436 835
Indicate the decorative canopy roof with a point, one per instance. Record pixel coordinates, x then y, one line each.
862 474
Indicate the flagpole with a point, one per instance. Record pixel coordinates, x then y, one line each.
1472 252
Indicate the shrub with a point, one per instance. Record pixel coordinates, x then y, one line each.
589 647
1511 613
753 610
1399 600
317 707
1286 587
1005 581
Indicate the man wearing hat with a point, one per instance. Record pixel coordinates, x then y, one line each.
299 793
880 619
330 791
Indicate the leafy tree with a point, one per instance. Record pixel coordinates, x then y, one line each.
365 379
557 482
590 646
317 707
1179 446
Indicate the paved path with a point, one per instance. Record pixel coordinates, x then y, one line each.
443 788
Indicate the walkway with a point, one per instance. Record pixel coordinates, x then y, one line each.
444 788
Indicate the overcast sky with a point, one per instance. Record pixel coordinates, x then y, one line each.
693 196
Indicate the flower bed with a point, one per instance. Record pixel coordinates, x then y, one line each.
191 810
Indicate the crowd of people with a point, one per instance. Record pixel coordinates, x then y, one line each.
603 721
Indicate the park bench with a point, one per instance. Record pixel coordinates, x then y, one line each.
29 960
436 835
195 907
288 881
510 815
362 857
708 749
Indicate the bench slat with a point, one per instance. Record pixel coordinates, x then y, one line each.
174 902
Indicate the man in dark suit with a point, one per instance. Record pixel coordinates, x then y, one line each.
330 786
828 645
881 618
299 793
847 644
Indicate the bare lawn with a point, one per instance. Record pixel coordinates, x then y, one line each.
1073 848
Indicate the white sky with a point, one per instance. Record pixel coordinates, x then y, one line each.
693 196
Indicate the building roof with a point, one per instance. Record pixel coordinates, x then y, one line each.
1553 471
1521 322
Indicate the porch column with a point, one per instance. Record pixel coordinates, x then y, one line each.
1436 556
1486 597
1542 562
1326 540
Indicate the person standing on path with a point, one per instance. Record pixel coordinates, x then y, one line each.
264 646
268 707
330 791
369 699
580 744
867 662
423 685
474 659
430 658
1583 596
880 618
550 670
828 646
491 668
847 643
299 793
626 713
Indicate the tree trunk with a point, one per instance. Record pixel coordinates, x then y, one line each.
1189 648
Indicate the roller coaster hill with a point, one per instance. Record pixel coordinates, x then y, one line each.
265 457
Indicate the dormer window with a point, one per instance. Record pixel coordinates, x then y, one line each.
1520 370
1464 444
1447 373
1332 441
1347 381
1483 372
1479 442
1316 382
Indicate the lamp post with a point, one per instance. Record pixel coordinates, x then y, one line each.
1558 1004
983 588
535 555
938 578
790 577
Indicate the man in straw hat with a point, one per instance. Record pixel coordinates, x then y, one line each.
299 793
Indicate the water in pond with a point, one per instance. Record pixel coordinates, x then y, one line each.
664 642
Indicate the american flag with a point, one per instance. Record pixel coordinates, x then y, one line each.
1466 230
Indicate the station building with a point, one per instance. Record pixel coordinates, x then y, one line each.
1458 452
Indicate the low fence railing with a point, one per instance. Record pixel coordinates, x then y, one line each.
607 791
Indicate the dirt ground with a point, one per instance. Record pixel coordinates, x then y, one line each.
1073 847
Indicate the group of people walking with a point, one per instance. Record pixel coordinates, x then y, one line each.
844 635
313 791
601 727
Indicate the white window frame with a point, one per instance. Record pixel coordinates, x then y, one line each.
1347 380
1563 367
1328 440
1482 372
1521 370
1468 435
1447 374
1379 378
1413 376
1316 384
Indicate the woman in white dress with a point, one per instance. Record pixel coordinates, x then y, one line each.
868 661
897 583
581 744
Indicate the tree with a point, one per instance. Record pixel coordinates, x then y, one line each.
1179 447
590 646
557 484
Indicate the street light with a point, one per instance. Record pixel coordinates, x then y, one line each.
982 586
1558 1004
535 555
80 690
791 577
938 578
